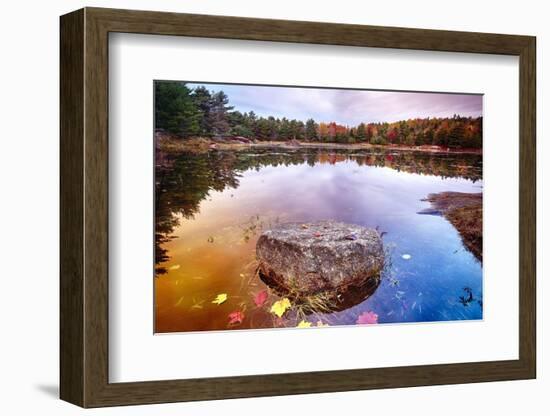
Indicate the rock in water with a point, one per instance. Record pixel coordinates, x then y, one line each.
305 259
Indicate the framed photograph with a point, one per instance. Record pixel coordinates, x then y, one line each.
255 207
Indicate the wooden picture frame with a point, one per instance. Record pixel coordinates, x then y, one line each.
84 207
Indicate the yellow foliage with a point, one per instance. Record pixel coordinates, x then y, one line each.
221 298
280 307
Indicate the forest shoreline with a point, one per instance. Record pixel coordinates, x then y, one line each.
168 143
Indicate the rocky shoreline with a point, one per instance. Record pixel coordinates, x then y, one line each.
169 143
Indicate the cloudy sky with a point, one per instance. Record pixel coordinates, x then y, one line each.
348 107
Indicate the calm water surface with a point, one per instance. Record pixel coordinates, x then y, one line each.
211 208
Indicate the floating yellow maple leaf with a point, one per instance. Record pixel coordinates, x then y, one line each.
174 267
280 307
320 324
304 324
221 298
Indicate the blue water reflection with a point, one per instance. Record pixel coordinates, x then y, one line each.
425 287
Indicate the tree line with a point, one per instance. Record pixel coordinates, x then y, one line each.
198 112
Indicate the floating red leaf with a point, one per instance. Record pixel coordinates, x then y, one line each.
235 318
367 318
260 298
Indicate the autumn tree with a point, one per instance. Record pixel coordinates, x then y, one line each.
323 132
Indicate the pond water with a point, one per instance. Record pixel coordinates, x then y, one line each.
212 206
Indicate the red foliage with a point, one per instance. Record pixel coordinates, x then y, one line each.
260 298
235 318
367 318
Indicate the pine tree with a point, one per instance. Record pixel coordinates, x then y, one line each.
284 129
203 100
174 109
311 129
456 135
218 114
361 132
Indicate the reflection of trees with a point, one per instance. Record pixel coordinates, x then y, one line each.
183 180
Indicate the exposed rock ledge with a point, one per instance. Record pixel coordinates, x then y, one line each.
325 256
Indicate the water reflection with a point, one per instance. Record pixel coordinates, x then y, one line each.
211 207
337 301
183 180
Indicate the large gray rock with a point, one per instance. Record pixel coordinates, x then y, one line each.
309 258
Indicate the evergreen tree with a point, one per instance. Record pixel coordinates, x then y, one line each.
311 130
273 125
456 135
263 129
174 109
361 132
203 100
285 132
250 120
219 109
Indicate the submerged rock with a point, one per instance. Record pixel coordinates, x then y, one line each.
325 256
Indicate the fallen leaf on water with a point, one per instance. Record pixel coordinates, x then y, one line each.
235 318
260 298
321 324
174 267
179 301
242 275
197 305
280 307
305 226
367 318
221 298
304 324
